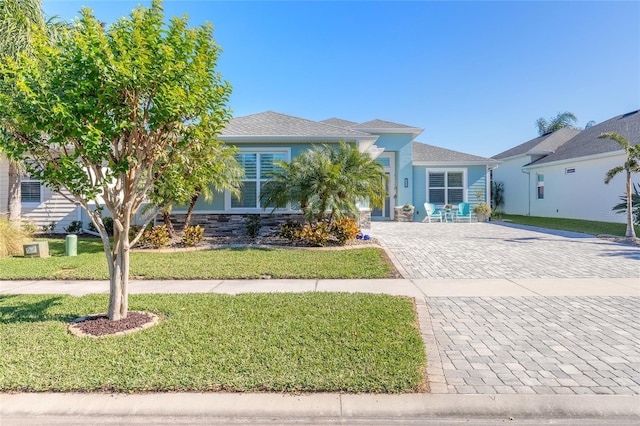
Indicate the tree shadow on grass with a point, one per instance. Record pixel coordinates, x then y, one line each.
26 312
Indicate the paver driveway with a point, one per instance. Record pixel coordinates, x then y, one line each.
528 344
488 250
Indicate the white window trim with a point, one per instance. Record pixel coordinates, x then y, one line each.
465 187
539 184
266 150
26 179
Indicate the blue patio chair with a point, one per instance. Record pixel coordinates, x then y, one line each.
431 213
464 212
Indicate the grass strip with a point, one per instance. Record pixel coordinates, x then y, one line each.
312 342
228 263
573 225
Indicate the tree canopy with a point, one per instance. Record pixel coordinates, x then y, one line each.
562 119
103 115
327 180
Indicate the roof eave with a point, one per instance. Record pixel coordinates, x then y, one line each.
414 131
457 163
290 138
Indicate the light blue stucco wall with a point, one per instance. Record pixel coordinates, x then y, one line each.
217 205
401 145
476 181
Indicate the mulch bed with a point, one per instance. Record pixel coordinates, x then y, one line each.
99 325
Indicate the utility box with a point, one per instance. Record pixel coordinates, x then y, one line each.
71 245
36 249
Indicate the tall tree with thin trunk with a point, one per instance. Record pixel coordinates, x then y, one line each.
115 108
19 20
631 165
563 119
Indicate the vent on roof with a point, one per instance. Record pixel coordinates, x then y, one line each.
630 113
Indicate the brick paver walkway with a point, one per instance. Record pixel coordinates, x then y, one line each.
485 250
529 344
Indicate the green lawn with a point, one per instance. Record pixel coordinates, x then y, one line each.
575 225
230 263
311 342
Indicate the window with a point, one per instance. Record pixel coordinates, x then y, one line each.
256 165
446 187
31 190
540 185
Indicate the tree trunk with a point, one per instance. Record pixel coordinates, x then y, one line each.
119 272
192 204
14 199
166 218
631 232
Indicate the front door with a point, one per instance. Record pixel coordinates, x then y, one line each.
387 159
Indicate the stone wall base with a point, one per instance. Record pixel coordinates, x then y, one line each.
364 221
235 225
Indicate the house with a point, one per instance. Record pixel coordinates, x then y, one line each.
40 205
562 174
418 172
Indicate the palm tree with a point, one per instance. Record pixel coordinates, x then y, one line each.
20 20
631 165
563 119
324 180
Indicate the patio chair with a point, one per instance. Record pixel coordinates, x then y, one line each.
431 213
464 212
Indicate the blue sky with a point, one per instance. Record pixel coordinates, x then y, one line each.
474 75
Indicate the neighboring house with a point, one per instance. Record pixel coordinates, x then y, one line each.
568 181
515 178
40 205
418 173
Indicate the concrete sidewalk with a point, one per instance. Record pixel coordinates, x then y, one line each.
443 287
482 340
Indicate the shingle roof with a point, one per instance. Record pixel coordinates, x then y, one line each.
586 143
424 153
346 124
275 124
381 124
544 144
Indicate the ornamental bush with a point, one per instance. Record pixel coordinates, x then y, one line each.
157 237
345 230
11 239
192 235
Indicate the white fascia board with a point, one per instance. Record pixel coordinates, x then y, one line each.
576 159
300 139
414 131
456 163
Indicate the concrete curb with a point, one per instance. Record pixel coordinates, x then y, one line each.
322 406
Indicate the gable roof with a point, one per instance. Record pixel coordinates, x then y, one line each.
424 154
274 125
542 145
586 143
339 122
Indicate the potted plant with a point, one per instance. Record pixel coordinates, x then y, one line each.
407 207
482 211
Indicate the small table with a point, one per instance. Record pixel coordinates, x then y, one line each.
448 215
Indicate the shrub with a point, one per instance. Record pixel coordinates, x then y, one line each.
50 228
108 224
11 239
497 214
157 237
29 228
316 234
345 230
253 223
291 230
192 235
75 227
